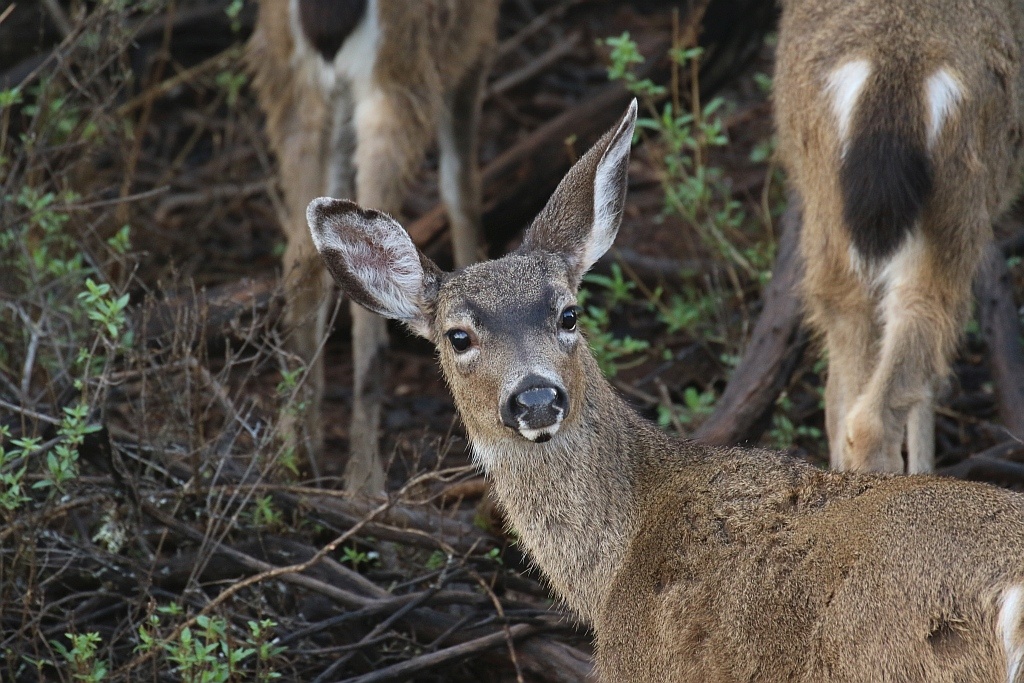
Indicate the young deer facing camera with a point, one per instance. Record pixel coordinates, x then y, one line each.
692 563
354 92
900 125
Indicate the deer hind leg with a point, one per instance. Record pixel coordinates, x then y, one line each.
921 313
307 284
459 174
308 291
851 331
391 133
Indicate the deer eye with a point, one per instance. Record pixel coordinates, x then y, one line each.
568 318
459 339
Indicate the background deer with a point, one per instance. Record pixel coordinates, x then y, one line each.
692 563
900 125
354 92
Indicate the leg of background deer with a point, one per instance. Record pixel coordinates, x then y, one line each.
459 174
850 343
308 287
921 435
392 133
921 315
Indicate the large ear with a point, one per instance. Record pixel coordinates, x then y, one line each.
582 217
374 260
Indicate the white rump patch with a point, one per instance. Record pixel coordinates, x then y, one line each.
1009 626
844 85
607 188
944 92
354 61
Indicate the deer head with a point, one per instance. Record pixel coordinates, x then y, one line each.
506 330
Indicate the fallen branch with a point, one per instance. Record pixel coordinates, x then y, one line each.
431 660
1000 324
992 465
775 348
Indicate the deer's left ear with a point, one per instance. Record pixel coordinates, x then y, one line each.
582 217
373 259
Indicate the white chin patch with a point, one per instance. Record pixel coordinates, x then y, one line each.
540 435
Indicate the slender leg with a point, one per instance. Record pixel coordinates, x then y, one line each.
922 310
299 143
459 174
921 435
850 343
391 134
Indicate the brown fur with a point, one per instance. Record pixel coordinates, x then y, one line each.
367 143
890 345
692 563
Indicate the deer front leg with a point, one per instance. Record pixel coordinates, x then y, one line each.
391 132
459 174
308 291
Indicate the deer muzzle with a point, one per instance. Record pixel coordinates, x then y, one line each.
535 409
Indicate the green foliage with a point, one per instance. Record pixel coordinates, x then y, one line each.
357 558
211 653
265 514
696 406
45 263
784 434
81 657
684 136
613 353
436 560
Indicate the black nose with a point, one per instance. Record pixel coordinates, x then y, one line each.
534 405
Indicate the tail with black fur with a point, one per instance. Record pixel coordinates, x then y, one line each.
886 179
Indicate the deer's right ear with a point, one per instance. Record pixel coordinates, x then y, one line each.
374 260
580 221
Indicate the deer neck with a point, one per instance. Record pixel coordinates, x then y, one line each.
572 500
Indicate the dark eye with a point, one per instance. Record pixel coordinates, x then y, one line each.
460 340
568 318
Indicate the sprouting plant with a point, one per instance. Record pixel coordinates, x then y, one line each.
232 82
265 647
436 560
13 468
81 657
617 288
683 133
206 654
265 513
357 558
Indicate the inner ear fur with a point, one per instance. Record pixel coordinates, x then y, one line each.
582 217
374 261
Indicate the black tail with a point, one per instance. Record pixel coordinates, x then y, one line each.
327 23
885 178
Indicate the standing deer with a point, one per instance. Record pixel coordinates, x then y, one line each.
692 563
354 91
900 125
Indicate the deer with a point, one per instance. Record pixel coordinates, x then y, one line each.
899 124
354 92
691 562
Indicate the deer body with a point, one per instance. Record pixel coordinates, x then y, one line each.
900 124
354 92
692 563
